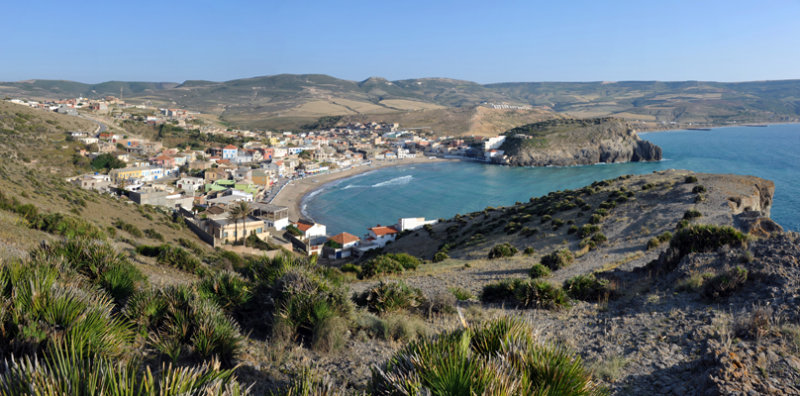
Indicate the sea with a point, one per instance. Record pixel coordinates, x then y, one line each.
443 189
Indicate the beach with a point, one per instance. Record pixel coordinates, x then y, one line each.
292 195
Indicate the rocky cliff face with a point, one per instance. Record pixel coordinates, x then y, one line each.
576 142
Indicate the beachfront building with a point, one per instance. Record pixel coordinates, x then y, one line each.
227 230
381 235
309 229
275 216
340 246
140 174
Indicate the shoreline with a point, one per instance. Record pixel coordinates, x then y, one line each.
294 193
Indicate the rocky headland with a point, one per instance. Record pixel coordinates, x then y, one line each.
566 142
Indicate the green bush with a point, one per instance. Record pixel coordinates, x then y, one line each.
227 290
558 259
502 250
588 288
529 251
705 238
351 268
690 179
153 234
171 255
183 324
498 357
129 228
97 261
726 283
692 214
699 189
529 293
572 229
440 256
391 263
390 297
539 271
461 294
588 230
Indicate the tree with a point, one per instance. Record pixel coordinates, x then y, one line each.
240 211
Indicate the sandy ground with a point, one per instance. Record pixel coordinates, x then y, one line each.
292 195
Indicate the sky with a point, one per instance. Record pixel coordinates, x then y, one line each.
482 41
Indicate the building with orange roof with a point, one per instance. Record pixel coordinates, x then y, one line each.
340 246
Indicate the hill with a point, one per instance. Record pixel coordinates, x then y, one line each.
290 101
566 142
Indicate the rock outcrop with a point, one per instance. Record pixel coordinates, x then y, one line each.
576 142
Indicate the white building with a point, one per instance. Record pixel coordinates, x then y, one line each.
311 230
493 143
190 184
381 235
413 223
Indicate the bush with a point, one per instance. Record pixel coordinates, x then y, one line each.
330 334
699 189
726 283
588 288
539 271
184 324
97 261
558 259
227 290
499 357
461 294
525 294
705 238
529 251
572 229
692 214
690 179
440 256
129 228
172 256
351 268
502 250
587 230
392 263
153 234
390 297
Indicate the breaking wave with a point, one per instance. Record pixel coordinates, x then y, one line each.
397 181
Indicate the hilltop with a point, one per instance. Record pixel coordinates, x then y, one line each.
565 142
291 101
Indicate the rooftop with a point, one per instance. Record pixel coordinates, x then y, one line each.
345 238
383 230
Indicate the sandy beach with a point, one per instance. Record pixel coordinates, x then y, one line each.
292 195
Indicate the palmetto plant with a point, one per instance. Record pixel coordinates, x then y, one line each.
501 357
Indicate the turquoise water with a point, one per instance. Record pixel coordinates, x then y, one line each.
440 190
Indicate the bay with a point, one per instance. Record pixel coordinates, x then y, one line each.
441 190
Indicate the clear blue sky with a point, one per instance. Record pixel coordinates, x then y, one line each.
483 41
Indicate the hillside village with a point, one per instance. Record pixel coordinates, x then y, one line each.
204 184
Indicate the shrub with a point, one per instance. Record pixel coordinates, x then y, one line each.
525 293
172 256
351 268
498 357
226 289
572 229
153 234
705 238
390 297
692 214
588 288
690 179
557 259
726 283
129 228
97 261
440 256
699 189
539 271
502 250
461 294
330 334
182 323
587 230
653 243
392 263
596 219
529 251
303 299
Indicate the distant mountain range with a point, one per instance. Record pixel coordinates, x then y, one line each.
290 101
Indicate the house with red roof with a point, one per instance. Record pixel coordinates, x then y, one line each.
381 235
340 246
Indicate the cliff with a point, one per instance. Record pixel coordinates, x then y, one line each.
566 142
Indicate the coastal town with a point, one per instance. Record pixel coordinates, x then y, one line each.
236 189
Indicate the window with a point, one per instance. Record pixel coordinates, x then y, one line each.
225 234
259 230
